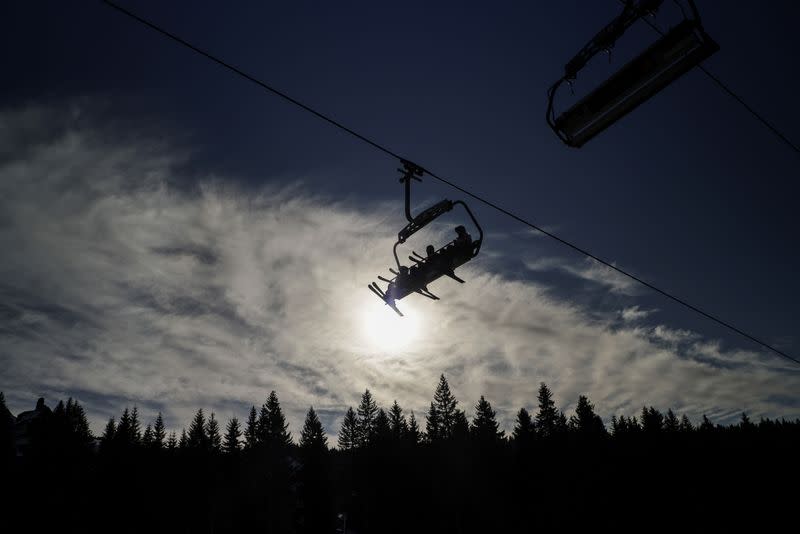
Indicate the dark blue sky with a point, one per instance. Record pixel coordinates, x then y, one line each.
689 191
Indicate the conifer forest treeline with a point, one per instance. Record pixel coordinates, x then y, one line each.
390 471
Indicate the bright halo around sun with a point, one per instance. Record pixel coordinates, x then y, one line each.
386 331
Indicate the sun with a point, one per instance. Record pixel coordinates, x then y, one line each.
387 331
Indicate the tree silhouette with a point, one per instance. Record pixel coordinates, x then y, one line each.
382 430
197 438
183 443
484 428
397 422
585 421
232 436
524 430
652 421
312 437
109 434
251 430
413 436
348 435
277 434
172 441
547 416
159 433
671 422
686 425
214 437
147 437
446 411
135 427
433 425
367 411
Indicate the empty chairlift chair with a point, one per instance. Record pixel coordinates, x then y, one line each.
676 52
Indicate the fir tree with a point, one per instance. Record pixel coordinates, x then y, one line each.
446 409
484 428
122 436
312 438
460 430
197 437
671 422
232 436
251 430
382 431
706 425
433 425
524 429
547 417
348 435
414 436
184 441
686 425
367 411
78 423
397 421
109 434
213 434
147 437
262 426
585 421
277 428
172 441
135 428
159 433
652 421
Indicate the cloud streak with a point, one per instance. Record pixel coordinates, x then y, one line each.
118 288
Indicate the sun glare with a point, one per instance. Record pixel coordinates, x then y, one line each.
387 331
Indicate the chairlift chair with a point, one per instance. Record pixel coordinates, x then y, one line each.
675 53
425 269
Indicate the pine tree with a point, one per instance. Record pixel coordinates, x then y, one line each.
251 430
397 421
585 421
108 436
367 411
348 435
312 438
147 437
460 430
277 427
77 423
671 423
547 417
214 437
136 428
232 436
686 425
382 431
159 433
652 421
262 426
197 437
433 425
122 436
172 441
413 436
446 408
184 441
524 430
706 425
484 428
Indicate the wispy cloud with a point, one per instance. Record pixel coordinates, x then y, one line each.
117 288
